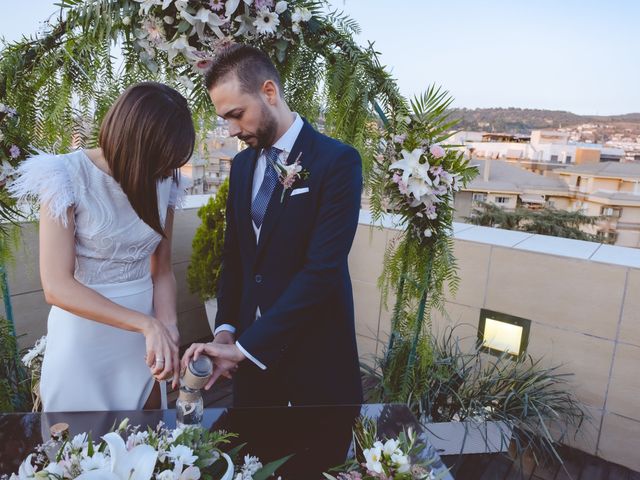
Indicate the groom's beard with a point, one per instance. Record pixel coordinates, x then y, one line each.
265 135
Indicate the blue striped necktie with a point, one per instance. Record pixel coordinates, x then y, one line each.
268 185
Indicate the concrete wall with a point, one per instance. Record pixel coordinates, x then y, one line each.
584 314
583 300
30 310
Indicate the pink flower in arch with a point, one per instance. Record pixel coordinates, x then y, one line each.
14 151
437 151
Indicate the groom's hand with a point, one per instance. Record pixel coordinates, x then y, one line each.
225 337
225 358
227 368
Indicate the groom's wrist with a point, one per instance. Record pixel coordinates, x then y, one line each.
246 355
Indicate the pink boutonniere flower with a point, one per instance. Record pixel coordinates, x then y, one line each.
289 173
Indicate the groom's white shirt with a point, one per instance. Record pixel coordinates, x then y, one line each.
284 143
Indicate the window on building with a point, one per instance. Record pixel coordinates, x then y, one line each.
554 158
568 160
477 197
611 212
502 200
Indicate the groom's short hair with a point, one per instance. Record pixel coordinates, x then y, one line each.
252 67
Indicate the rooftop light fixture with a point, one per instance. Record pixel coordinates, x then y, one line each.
499 333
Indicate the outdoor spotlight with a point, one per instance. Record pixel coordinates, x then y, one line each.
500 334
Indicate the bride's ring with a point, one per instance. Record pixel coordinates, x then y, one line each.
160 361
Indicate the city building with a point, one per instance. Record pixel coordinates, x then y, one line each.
210 166
544 150
610 190
510 186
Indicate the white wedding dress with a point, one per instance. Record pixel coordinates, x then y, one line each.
90 366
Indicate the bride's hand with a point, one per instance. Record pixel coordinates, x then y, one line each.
162 351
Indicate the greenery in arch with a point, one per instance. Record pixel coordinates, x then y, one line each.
62 82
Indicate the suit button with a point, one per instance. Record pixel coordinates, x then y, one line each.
258 278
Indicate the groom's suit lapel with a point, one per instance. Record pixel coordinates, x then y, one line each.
302 147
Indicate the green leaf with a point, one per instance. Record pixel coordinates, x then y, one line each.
183 26
90 447
269 469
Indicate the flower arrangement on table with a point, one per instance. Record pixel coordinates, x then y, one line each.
131 453
192 453
401 458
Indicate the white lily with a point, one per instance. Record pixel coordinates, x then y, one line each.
25 471
419 188
228 474
199 20
246 27
411 166
281 6
181 5
137 464
146 5
180 45
230 7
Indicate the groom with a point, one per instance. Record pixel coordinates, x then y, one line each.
285 316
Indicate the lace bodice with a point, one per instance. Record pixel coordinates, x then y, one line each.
112 243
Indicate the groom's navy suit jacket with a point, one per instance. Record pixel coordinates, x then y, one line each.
297 275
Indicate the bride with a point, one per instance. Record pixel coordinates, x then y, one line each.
106 218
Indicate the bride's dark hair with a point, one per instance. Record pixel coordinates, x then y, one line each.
147 135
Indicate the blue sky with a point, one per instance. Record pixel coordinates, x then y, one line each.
577 55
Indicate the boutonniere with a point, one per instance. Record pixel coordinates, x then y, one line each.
289 173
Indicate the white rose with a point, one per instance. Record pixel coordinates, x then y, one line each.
126 21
